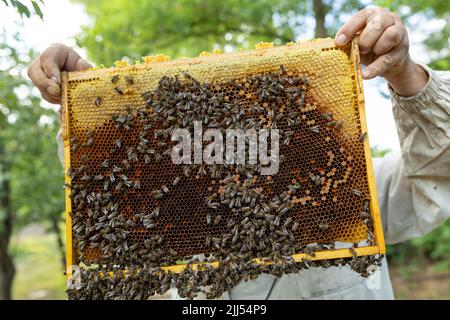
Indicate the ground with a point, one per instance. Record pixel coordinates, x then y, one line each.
39 274
429 282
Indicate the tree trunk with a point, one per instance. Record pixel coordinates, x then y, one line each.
320 12
7 269
7 272
59 241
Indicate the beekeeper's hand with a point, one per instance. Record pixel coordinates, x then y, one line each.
384 47
45 70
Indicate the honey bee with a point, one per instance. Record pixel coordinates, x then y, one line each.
115 78
363 137
157 194
316 179
155 213
208 241
356 192
336 124
105 163
175 181
287 222
201 171
186 75
327 116
365 215
165 189
217 219
98 177
314 129
187 171
129 80
213 205
323 226
353 252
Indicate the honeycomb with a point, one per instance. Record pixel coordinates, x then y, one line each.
119 115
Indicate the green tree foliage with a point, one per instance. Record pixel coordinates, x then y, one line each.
30 173
437 243
28 132
437 43
25 9
133 29
185 27
379 153
435 247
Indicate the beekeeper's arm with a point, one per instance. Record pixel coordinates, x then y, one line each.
414 185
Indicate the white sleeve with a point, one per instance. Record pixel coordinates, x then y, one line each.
414 185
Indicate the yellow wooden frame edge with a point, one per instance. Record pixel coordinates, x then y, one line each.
70 255
374 208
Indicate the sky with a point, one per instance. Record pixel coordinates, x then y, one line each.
63 20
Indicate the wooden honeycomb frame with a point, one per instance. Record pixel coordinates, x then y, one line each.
326 53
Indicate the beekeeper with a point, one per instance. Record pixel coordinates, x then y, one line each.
413 186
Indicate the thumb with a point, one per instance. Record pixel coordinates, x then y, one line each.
82 65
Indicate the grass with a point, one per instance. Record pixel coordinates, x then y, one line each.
415 275
430 282
39 273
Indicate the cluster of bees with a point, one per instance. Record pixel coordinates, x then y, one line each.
247 216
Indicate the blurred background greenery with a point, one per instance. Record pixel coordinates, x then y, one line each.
31 177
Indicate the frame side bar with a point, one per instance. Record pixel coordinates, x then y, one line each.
374 209
70 257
